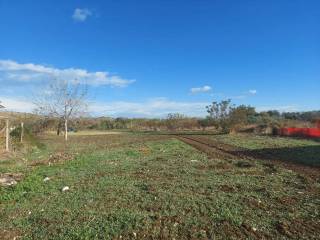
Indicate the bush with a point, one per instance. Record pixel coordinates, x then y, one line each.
29 139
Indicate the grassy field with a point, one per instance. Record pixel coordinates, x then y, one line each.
133 186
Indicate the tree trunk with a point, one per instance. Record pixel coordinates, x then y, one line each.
59 128
66 129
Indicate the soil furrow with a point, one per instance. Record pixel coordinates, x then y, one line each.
217 149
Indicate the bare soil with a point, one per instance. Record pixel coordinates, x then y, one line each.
296 228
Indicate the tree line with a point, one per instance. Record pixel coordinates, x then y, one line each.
63 107
222 117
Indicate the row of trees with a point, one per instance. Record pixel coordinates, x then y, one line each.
227 117
222 116
64 101
104 123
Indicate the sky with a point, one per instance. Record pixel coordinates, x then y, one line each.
149 58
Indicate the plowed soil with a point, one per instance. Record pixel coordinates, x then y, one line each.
217 149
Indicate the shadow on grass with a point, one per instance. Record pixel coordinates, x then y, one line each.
315 139
308 155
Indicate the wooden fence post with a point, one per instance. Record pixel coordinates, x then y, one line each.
7 135
22 132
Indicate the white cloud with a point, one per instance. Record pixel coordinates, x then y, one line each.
29 72
245 94
200 89
152 108
16 104
157 107
253 92
81 14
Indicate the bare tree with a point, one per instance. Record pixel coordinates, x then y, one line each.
173 120
63 100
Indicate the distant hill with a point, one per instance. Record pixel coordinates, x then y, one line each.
19 115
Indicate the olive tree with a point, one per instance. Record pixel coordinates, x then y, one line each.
63 100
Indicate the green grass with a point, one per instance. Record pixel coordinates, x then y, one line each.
159 190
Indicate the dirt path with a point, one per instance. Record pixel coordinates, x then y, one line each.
218 149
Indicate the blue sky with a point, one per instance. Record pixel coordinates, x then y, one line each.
149 58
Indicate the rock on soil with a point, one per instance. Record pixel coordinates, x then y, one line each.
64 189
46 179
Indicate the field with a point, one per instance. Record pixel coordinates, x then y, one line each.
148 186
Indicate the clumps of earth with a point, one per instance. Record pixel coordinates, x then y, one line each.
244 164
10 179
53 159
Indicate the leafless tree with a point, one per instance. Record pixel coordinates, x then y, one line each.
64 100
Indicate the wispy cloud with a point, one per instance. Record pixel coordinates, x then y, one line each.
81 14
157 107
30 72
284 108
16 104
203 89
253 92
246 94
151 108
